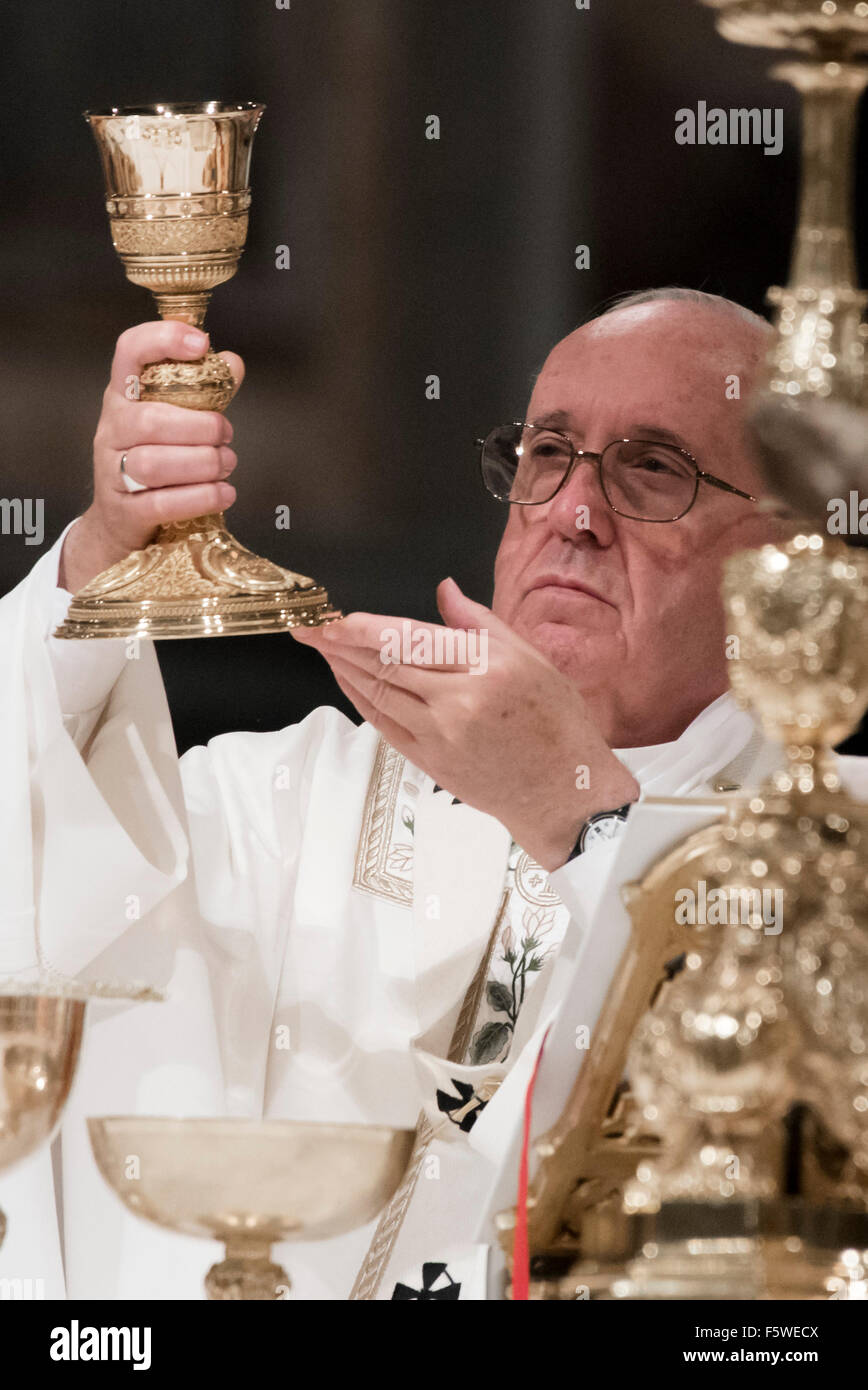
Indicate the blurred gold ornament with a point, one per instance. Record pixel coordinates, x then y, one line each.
42 1016
819 347
177 183
40 1042
736 1164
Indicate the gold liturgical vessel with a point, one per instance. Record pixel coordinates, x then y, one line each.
177 185
250 1184
42 1026
40 1043
733 1161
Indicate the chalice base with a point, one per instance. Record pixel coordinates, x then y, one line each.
195 580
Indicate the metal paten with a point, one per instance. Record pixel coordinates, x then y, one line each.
250 1183
734 1163
177 185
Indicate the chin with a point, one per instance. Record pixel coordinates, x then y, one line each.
573 653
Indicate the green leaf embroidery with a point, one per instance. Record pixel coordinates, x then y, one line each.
489 1043
499 996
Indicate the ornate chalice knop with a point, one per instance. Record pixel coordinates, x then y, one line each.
177 183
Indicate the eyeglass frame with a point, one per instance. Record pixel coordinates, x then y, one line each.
700 475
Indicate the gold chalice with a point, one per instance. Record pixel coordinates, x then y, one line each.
40 1042
250 1183
177 184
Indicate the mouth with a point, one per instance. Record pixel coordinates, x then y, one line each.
566 584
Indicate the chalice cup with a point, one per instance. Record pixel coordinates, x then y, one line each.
177 185
250 1184
40 1044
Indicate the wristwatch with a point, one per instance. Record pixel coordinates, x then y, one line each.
598 828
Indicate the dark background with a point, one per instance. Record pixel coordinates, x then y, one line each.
409 257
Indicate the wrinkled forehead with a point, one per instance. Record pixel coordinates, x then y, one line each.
681 366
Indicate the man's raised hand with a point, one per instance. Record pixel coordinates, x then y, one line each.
181 456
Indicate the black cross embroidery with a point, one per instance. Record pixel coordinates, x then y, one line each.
431 1274
464 1109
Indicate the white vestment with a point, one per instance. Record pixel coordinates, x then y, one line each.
317 911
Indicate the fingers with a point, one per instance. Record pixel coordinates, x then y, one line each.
392 731
128 423
152 342
152 509
394 641
182 458
369 673
381 699
163 465
456 609
236 367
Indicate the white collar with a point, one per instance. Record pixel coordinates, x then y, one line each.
715 738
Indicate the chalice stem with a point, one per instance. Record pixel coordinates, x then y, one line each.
205 383
188 308
248 1273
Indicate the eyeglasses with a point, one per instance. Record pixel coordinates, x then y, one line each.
641 479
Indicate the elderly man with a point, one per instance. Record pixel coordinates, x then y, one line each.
382 908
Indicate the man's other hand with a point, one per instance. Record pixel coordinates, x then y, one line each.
489 719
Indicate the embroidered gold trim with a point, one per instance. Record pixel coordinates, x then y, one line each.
389 1225
531 882
371 874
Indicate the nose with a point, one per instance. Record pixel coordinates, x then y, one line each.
580 508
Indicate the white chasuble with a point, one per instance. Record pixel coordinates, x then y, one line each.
338 940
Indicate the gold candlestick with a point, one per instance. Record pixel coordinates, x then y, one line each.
177 180
819 347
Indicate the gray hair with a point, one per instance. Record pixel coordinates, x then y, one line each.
681 292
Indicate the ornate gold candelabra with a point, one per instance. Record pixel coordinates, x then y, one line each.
736 1164
177 184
